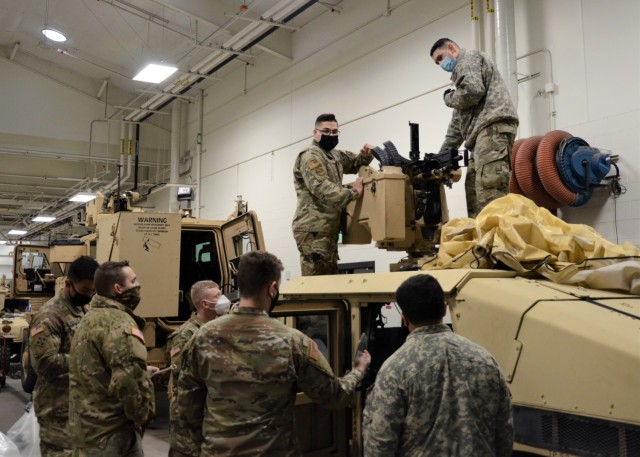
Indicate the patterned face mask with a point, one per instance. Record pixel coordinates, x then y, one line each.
130 297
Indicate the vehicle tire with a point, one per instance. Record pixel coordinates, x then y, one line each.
28 375
5 359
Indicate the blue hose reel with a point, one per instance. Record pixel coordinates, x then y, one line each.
581 167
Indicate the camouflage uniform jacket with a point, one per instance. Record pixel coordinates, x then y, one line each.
110 388
317 177
479 100
244 369
50 342
175 348
438 395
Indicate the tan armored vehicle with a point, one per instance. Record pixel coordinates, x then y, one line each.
168 252
571 354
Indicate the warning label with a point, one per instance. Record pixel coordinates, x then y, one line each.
151 226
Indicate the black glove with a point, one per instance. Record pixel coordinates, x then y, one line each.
447 92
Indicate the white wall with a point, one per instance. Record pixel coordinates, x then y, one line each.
373 71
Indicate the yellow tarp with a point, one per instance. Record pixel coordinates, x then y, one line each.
530 240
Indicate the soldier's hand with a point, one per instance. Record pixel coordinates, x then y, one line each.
358 186
362 361
447 92
151 369
366 150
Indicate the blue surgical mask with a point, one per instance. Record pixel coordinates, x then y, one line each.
448 64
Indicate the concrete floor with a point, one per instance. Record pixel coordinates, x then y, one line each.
156 438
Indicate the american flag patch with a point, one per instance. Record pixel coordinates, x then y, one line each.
174 351
135 331
37 329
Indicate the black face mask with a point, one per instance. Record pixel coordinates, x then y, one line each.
328 142
78 300
274 301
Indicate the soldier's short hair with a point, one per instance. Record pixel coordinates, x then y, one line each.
421 299
441 43
81 269
107 275
199 290
256 270
327 117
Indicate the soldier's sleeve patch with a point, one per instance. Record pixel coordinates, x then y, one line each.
313 164
174 351
37 329
135 331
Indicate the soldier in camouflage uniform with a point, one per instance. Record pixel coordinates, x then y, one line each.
204 296
240 373
111 397
317 176
483 117
50 342
439 394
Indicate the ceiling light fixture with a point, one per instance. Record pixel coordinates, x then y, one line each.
17 232
3 241
154 73
54 35
43 219
83 197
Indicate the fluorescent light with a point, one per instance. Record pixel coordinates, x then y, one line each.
83 197
54 35
43 219
3 241
154 73
17 232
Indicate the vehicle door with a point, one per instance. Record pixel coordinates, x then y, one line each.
321 432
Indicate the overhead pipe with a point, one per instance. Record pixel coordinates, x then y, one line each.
176 114
506 47
476 38
199 140
137 157
489 29
289 15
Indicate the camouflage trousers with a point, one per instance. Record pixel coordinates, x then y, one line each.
489 167
125 442
54 437
50 450
318 253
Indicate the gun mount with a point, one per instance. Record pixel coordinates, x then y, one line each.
404 203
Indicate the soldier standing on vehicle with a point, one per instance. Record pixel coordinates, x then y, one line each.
317 177
484 118
237 387
439 394
50 335
205 296
111 394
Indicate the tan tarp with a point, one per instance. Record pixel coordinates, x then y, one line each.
513 231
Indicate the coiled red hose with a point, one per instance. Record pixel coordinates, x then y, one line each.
527 175
548 170
514 186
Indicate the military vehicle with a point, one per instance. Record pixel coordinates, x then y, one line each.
570 354
167 251
36 271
